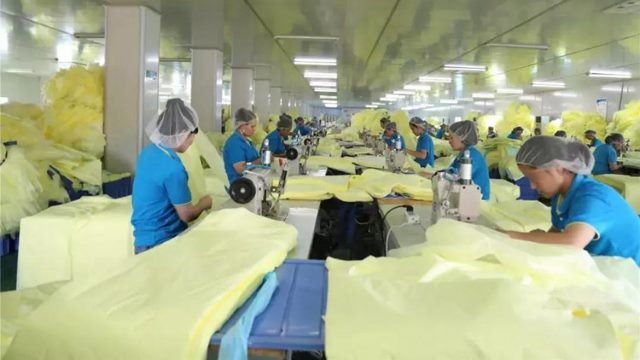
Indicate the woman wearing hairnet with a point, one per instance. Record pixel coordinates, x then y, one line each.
161 198
464 136
239 150
585 213
276 137
424 149
391 136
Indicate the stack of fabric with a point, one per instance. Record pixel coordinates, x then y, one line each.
627 122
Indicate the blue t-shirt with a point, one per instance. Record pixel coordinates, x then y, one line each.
276 143
391 141
440 133
161 182
237 149
479 170
302 130
425 143
596 142
513 136
604 155
615 222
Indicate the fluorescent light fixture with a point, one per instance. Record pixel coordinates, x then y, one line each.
417 87
465 67
18 71
507 91
464 99
4 100
332 97
483 103
331 106
321 83
448 101
565 94
388 99
548 84
618 89
371 106
376 103
417 107
305 37
528 98
435 79
320 75
325 90
610 74
394 96
317 61
482 95
403 92
542 47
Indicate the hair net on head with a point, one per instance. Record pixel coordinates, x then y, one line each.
416 121
466 130
614 138
285 122
391 126
553 151
173 126
244 116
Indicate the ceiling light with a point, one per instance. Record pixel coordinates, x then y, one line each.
333 97
317 61
507 91
435 79
417 87
325 90
481 95
4 100
376 103
331 105
528 98
565 94
548 84
395 96
320 83
404 92
320 75
388 99
18 71
520 46
371 106
483 103
464 99
611 74
448 101
465 67
305 37
618 89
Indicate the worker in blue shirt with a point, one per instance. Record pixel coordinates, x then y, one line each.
594 142
491 133
161 199
424 153
301 129
391 136
585 213
383 124
441 131
516 133
606 155
239 150
464 136
277 136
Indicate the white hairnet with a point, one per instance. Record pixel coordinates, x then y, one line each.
416 121
553 151
173 126
466 130
244 116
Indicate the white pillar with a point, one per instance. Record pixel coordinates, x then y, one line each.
241 88
131 82
206 87
275 100
284 95
262 100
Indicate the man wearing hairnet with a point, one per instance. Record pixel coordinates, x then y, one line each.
424 148
301 128
276 137
391 136
239 150
591 135
161 198
585 213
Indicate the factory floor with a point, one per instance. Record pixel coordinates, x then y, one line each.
9 267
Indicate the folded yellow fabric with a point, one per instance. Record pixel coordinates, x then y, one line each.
314 187
502 190
473 293
212 157
517 215
337 163
379 184
163 304
627 186
358 150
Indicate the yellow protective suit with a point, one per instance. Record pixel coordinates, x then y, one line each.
315 188
472 293
627 186
516 215
627 122
379 184
517 114
164 303
575 123
358 150
503 191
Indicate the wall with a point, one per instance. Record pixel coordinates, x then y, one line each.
21 88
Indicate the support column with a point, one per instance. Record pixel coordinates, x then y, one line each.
262 100
241 88
285 101
275 100
242 47
131 82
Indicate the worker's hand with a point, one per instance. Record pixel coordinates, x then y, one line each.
205 203
425 174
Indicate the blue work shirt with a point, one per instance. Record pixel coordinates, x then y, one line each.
425 143
302 130
616 224
161 182
604 155
276 142
440 133
595 143
479 170
513 136
391 141
237 149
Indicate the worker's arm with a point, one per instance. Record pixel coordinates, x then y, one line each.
422 154
240 166
615 166
576 234
189 212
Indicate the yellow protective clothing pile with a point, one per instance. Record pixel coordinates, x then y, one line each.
575 123
369 120
434 121
484 122
474 293
227 119
553 126
328 147
441 147
357 150
74 112
337 163
500 153
401 118
503 191
272 124
315 187
75 240
627 186
516 215
164 303
627 122
516 115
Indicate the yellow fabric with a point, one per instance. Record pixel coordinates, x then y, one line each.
374 162
442 147
484 122
627 186
164 303
627 122
502 191
314 188
401 118
516 115
379 184
109 176
337 163
212 157
218 139
516 215
328 147
358 150
553 126
77 239
575 123
473 293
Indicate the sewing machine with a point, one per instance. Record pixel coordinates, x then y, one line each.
296 159
256 191
395 158
456 196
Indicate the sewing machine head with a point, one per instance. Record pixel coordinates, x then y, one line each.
395 157
455 196
296 160
256 191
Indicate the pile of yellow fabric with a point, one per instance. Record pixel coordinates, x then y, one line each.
516 115
484 122
503 191
627 186
328 147
218 139
272 124
553 126
627 122
516 215
401 118
500 153
575 123
192 284
442 147
369 120
474 293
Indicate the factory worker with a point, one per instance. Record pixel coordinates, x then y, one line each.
516 133
560 133
441 131
491 133
594 142
161 198
537 132
606 155
464 136
239 150
391 136
424 149
301 129
585 213
277 136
